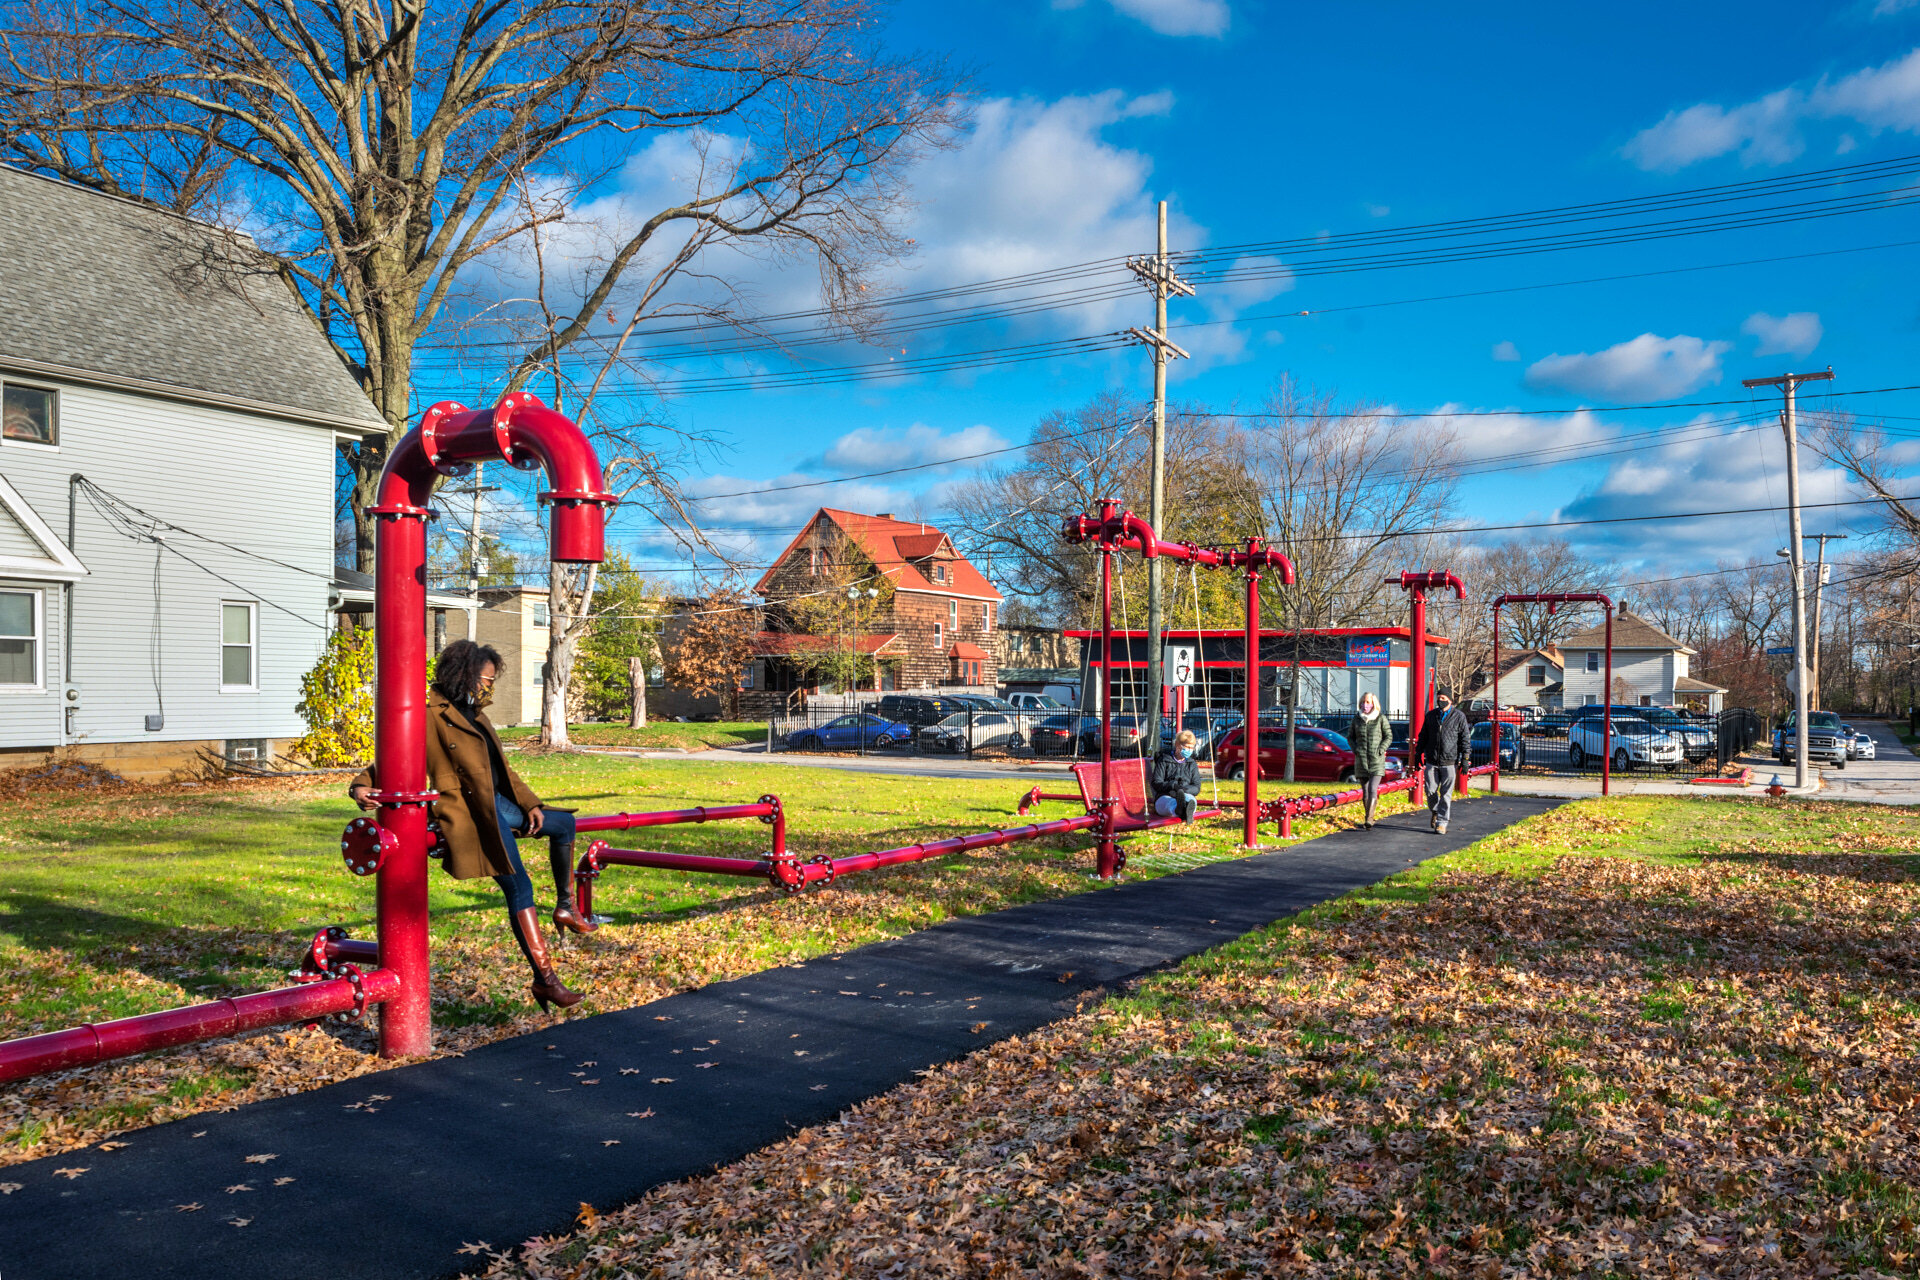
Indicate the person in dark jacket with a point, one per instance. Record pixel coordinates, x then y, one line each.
484 805
1442 751
1370 735
1176 778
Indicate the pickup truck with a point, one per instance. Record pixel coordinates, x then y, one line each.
1824 740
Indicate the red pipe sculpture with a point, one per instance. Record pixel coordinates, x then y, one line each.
599 855
526 433
1255 558
1554 599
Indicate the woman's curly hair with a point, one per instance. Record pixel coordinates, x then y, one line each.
456 675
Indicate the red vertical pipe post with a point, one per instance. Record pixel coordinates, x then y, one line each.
1107 860
1417 692
400 700
1250 735
1606 715
1495 783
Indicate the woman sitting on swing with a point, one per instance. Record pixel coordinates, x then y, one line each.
1176 778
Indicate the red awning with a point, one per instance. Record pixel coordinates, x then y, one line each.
967 652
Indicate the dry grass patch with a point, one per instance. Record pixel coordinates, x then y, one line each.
1615 1067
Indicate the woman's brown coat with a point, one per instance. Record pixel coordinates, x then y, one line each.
458 768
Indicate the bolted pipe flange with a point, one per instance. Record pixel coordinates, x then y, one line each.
366 845
774 803
590 863
351 972
822 860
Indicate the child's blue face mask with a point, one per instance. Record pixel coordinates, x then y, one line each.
1186 753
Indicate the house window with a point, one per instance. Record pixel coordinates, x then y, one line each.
939 573
27 414
239 646
939 636
1593 699
542 614
813 561
1593 660
20 639
953 615
1536 677
1646 699
986 617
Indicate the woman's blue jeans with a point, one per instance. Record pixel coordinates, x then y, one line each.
557 830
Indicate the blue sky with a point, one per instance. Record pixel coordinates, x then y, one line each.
1260 121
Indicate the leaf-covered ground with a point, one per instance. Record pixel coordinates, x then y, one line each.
1690 1065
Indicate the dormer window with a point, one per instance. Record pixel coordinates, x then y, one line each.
939 573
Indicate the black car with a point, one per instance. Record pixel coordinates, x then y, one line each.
1551 725
1129 736
918 710
1054 736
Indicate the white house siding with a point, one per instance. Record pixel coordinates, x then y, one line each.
32 716
255 481
1514 689
1649 671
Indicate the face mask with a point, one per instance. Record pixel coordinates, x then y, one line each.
482 699
1186 753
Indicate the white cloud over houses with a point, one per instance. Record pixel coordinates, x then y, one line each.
1770 129
1794 334
1171 17
877 448
1648 367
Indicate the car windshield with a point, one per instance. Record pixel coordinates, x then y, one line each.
1337 739
958 720
1823 720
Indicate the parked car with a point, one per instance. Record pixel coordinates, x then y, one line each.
976 729
1823 739
1205 729
1695 739
918 710
1036 702
1634 742
1859 743
1513 747
1130 736
849 733
1480 710
1319 755
1550 724
1055 735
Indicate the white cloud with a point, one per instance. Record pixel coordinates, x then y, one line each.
1648 367
1768 130
1794 334
1378 210
876 448
1485 437
1505 352
1179 17
1887 8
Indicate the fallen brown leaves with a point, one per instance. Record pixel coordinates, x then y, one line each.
1616 1067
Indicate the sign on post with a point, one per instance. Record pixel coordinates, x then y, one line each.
1368 651
1176 664
1780 651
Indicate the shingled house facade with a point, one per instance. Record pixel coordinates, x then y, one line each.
933 626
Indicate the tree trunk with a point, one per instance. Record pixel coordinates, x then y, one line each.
637 675
569 610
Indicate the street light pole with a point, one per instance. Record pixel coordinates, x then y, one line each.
1819 581
1796 558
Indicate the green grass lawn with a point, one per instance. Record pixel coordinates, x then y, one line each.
660 735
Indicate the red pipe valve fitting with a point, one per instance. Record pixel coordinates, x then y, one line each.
365 846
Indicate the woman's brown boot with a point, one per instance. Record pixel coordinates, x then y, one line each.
547 987
565 918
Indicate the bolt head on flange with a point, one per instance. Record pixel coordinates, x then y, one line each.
365 846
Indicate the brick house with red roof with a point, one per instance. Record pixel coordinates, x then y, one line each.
937 627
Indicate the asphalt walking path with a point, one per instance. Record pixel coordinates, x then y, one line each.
392 1175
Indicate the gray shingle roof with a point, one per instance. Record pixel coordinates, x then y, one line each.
95 285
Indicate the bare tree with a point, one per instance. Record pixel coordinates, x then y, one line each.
383 143
1348 495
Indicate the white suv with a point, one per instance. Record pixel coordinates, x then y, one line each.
1635 742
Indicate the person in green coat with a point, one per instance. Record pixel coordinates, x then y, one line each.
1370 736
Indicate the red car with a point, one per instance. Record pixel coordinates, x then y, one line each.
1319 755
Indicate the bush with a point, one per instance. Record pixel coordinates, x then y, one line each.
336 701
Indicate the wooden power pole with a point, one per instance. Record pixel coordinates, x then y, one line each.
1819 581
1157 274
1797 559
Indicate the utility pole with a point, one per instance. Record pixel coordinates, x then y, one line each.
477 486
1797 559
1819 581
1157 274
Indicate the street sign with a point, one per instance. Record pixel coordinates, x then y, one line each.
1780 651
1176 664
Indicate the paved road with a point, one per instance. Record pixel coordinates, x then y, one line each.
1893 777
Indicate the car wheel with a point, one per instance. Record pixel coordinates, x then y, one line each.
884 741
954 746
1346 775
1015 742
802 744
1622 763
1236 772
1668 768
1576 757
1841 763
